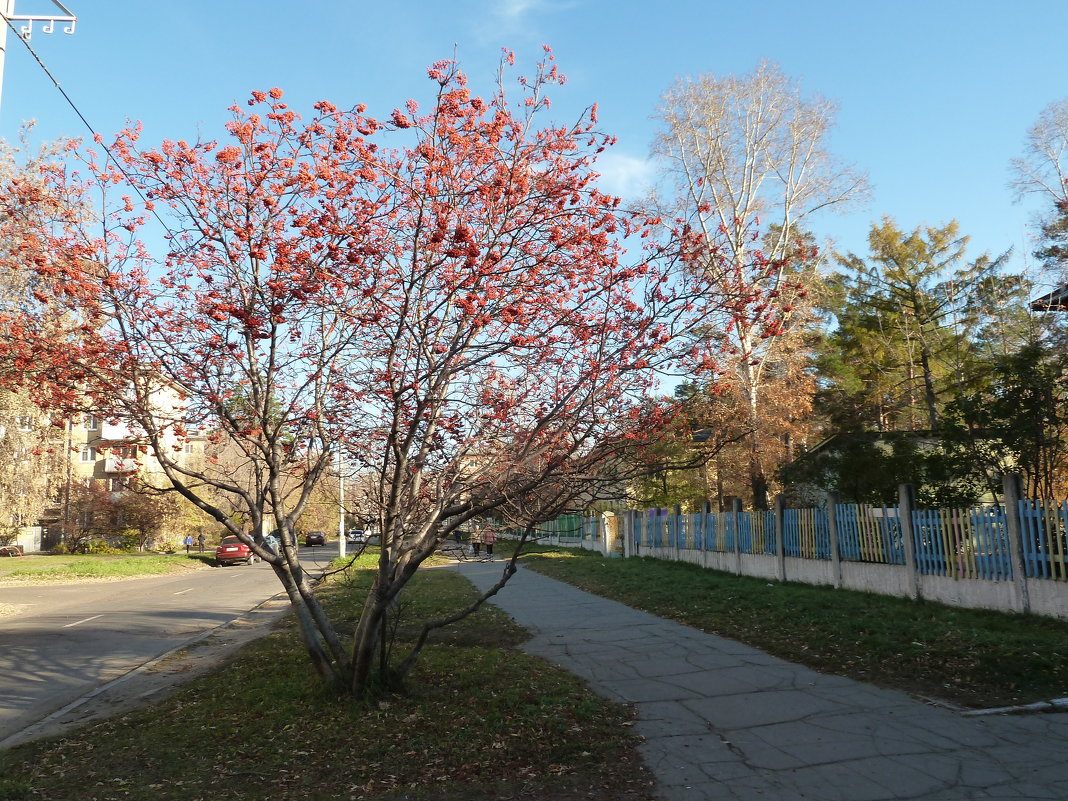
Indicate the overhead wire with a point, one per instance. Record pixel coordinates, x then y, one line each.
96 137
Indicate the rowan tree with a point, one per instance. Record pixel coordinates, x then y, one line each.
90 516
746 161
456 313
140 518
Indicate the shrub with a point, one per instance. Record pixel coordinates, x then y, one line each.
97 547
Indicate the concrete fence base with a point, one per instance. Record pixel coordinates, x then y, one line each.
1049 598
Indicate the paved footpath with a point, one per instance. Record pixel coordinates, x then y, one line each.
723 721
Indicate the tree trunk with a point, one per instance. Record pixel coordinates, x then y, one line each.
365 643
320 640
928 388
758 480
719 483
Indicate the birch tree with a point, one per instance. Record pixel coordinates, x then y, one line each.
747 168
1043 171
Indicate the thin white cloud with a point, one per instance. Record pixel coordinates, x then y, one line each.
506 19
513 9
629 177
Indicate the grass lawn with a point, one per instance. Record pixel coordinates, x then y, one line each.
71 567
481 722
968 657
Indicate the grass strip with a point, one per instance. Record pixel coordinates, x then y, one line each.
72 566
972 658
480 722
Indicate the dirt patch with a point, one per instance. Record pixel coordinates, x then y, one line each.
12 609
154 680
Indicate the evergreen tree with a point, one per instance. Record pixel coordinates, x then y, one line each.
907 319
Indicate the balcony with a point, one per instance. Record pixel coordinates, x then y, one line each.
117 464
118 432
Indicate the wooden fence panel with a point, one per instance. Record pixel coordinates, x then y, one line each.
869 534
745 532
712 527
1043 530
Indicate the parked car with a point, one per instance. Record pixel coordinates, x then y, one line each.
231 551
359 536
354 536
315 538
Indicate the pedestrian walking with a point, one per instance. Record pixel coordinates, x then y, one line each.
476 540
202 539
489 536
188 542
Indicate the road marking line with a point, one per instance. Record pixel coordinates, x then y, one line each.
183 592
78 622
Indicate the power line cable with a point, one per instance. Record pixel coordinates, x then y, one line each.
96 137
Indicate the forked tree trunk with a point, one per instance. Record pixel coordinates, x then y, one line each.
320 640
365 644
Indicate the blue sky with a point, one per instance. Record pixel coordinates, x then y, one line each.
935 95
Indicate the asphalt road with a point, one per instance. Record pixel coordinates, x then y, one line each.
67 640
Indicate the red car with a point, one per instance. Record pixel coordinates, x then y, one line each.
231 551
315 538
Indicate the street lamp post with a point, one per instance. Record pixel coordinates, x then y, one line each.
341 505
8 15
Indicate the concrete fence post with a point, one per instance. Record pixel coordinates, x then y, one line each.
906 496
780 531
1012 484
832 530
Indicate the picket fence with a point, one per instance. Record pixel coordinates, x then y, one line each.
1012 557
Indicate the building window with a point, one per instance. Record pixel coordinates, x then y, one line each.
187 447
88 453
91 423
25 423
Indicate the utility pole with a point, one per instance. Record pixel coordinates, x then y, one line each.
8 18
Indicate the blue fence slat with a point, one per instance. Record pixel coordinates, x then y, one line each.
711 531
823 534
770 534
927 534
745 532
791 541
1032 532
845 521
991 542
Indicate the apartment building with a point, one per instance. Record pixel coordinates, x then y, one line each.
104 461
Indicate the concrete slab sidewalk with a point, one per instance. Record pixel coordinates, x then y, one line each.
727 722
